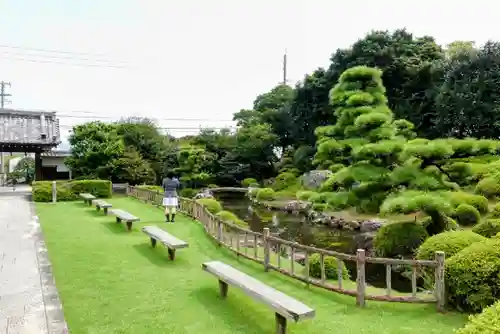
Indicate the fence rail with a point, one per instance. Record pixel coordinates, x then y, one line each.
294 260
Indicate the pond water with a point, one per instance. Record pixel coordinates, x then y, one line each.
297 228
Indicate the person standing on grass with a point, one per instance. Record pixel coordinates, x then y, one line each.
170 200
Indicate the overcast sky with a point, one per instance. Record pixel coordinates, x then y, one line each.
194 59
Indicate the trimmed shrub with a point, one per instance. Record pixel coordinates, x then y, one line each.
230 217
150 187
461 197
319 207
472 276
98 188
466 215
249 182
188 192
211 204
284 180
488 228
304 195
265 194
450 242
399 239
487 322
495 213
489 187
330 267
68 191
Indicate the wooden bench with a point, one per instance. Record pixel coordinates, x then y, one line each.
285 307
124 216
171 242
100 204
87 198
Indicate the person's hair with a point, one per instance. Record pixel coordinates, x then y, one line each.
170 175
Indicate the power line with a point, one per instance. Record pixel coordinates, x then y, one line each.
46 50
91 116
8 53
63 63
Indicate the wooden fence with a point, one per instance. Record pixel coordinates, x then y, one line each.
293 259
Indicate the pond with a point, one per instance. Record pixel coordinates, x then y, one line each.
297 228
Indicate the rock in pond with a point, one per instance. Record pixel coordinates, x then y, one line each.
313 179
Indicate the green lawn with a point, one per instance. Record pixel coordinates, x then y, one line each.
111 281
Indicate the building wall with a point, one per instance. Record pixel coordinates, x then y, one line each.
57 162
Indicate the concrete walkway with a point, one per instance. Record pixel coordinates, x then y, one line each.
29 301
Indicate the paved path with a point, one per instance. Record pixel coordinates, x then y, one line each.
29 302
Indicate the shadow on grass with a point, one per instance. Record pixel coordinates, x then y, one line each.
98 214
118 228
159 255
228 310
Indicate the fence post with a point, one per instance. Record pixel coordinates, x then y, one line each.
219 231
360 279
440 288
266 248
54 192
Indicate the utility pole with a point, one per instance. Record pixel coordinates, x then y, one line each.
3 100
3 93
285 80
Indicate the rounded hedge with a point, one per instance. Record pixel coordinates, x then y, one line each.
488 228
487 322
495 213
489 187
304 195
330 267
188 192
471 276
467 215
230 217
211 204
461 197
249 182
450 242
284 180
265 194
399 238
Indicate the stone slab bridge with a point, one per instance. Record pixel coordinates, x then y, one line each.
28 132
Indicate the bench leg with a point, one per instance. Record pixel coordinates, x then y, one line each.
223 289
89 202
129 226
171 254
280 324
153 242
105 211
118 220
98 208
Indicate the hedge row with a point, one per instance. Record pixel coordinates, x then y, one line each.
68 191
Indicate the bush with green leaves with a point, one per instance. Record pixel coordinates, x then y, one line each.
399 239
331 267
489 186
188 192
150 187
466 215
265 194
285 180
486 322
304 195
249 182
230 217
471 276
461 197
449 242
495 212
211 204
487 228
69 191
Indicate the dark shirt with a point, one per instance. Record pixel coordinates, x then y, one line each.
170 186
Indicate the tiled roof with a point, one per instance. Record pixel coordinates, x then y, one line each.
56 154
29 127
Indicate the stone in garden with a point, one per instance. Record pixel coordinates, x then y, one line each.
371 225
314 179
206 193
297 206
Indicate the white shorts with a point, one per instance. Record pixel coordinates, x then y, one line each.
170 201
